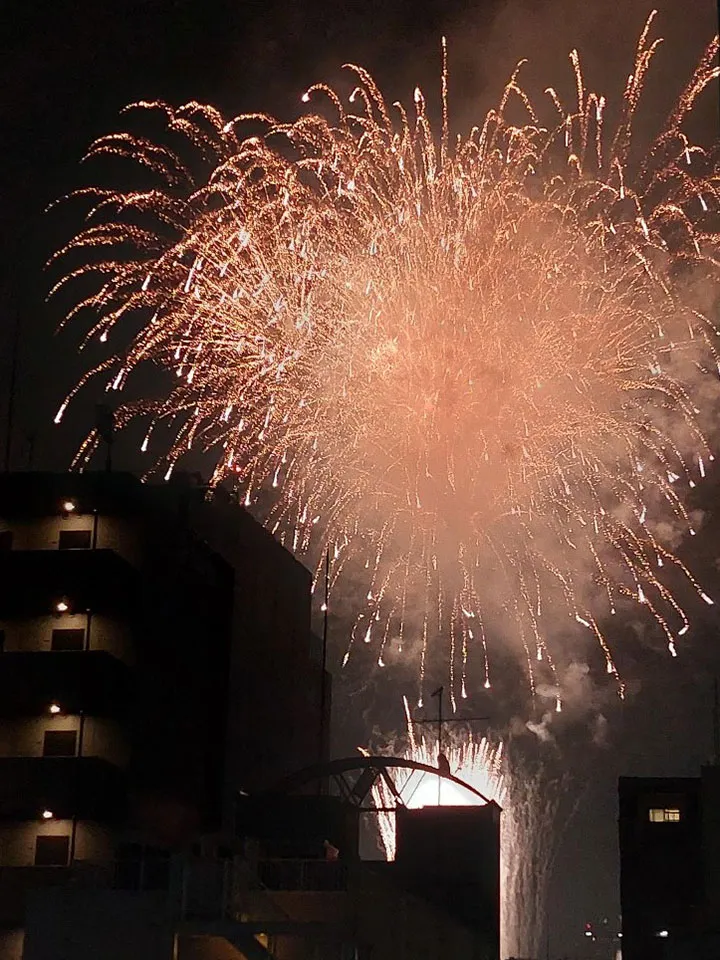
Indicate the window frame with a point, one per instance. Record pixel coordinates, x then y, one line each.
664 814
86 535
49 840
56 735
80 632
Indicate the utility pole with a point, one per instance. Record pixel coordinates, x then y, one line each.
716 725
323 676
11 392
439 694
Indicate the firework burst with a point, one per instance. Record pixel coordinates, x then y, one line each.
474 367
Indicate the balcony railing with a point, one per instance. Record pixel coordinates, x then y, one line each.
85 787
93 681
34 580
323 875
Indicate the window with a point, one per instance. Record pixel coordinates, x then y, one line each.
74 540
68 639
664 815
52 851
6 539
59 743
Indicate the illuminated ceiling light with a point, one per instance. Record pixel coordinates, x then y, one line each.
54 708
62 606
69 506
47 814
662 933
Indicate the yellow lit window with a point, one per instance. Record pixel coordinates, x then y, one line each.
664 815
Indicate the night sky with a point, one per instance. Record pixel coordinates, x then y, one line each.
67 70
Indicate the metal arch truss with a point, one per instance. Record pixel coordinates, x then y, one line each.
352 780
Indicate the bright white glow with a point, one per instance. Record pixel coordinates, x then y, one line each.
69 506
55 708
62 606
451 795
47 814
662 933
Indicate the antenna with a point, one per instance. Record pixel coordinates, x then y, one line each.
323 676
105 426
440 723
439 694
11 392
716 725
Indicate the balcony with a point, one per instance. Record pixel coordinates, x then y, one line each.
17 882
98 580
85 787
92 681
40 494
326 875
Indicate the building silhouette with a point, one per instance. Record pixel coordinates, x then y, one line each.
156 654
669 836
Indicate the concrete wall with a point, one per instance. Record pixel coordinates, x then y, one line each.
17 840
24 737
35 633
275 681
43 533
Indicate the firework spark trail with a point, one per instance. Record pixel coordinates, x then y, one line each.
476 762
476 370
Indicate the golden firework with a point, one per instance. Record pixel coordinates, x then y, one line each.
475 367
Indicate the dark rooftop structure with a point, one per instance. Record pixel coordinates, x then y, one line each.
669 834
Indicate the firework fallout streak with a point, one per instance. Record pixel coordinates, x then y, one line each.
478 367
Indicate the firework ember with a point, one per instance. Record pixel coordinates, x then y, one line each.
475 367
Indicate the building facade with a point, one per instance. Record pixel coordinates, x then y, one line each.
128 642
669 835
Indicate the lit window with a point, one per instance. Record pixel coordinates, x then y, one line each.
664 815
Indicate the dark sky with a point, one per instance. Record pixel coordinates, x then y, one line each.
67 68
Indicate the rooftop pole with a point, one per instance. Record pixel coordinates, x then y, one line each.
716 725
323 677
439 694
11 392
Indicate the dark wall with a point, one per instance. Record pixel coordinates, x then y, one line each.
275 674
183 640
451 857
